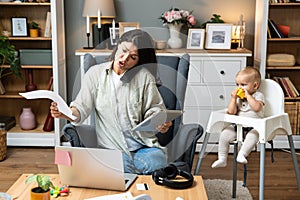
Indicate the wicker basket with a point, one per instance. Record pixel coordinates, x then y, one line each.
291 108
3 146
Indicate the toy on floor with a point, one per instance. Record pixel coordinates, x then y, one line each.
60 191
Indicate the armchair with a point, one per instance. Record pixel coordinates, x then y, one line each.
181 139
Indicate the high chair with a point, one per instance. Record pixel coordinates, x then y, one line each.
275 122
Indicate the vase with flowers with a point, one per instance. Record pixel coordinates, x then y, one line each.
175 18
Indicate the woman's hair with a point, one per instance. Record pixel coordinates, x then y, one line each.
144 43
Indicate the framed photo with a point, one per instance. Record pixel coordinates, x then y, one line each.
19 26
127 26
113 41
218 36
195 38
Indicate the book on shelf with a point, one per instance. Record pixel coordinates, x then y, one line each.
9 121
274 30
288 87
292 86
48 25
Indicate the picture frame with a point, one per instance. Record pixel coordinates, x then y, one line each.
195 38
218 36
19 26
113 42
127 26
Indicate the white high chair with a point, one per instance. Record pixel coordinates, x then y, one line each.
275 122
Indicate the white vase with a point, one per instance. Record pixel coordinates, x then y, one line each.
175 42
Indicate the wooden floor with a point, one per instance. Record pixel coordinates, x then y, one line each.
280 182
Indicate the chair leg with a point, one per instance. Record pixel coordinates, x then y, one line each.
234 175
202 152
290 138
262 171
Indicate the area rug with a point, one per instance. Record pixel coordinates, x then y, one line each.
218 189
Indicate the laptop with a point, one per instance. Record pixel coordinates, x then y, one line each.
92 168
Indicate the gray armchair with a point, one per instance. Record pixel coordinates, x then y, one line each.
181 139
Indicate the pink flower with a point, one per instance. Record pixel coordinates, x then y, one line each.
175 15
192 20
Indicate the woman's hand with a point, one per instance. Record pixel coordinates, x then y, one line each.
55 112
164 127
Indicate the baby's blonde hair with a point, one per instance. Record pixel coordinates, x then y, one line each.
251 72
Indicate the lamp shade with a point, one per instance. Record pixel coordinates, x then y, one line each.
106 7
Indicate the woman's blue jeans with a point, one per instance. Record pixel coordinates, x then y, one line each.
144 160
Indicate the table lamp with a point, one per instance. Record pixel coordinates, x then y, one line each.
97 9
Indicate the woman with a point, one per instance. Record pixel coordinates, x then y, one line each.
123 93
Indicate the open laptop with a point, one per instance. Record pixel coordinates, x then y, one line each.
92 168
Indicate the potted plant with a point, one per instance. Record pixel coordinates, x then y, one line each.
42 191
214 19
8 56
34 28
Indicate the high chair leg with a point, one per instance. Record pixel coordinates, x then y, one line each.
290 138
262 171
234 175
202 152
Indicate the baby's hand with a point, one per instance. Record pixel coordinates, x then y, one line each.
234 93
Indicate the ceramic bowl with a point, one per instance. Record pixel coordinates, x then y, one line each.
161 44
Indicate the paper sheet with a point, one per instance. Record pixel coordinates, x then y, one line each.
61 104
122 196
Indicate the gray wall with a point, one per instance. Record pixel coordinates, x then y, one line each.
147 12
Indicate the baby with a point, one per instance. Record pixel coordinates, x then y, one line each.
245 101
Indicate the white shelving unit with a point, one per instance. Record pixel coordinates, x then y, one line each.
11 102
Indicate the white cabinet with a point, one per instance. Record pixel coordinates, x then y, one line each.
11 102
210 81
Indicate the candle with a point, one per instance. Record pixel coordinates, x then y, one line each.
113 29
99 19
87 24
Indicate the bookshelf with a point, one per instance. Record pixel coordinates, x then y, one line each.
282 14
11 102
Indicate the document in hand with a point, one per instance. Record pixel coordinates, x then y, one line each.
150 123
41 94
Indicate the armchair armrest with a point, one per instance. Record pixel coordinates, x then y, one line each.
80 136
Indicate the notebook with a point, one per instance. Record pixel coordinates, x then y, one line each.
92 168
151 122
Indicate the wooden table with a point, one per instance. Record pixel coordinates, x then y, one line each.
19 190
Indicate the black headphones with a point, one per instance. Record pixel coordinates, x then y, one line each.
165 175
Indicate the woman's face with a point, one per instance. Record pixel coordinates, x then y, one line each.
126 57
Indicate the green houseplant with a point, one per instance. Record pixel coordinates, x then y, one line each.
34 28
42 191
214 19
8 56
